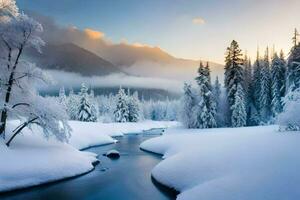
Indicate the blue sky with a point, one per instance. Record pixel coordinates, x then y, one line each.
185 28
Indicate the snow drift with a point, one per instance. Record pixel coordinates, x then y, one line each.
243 163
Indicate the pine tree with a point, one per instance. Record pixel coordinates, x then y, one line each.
207 74
188 103
206 109
62 98
121 112
239 114
233 73
94 106
283 74
85 108
256 80
265 89
72 105
217 96
134 109
278 83
294 64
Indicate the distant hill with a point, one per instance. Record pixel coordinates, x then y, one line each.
72 58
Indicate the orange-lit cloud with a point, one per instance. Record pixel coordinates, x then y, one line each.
138 44
198 20
93 34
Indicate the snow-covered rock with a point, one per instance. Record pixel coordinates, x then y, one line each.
113 154
231 163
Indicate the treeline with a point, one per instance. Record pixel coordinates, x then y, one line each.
253 94
122 107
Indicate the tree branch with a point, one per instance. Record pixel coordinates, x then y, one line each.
19 129
19 104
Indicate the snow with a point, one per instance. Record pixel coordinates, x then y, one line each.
32 160
258 163
87 134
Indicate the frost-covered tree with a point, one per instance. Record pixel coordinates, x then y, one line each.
218 98
62 98
289 119
239 115
265 89
233 73
134 111
205 116
84 107
294 68
256 81
94 106
188 104
121 112
72 105
18 97
278 83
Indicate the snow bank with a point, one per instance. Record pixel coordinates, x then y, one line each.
243 163
32 160
87 134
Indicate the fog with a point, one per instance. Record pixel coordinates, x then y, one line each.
74 80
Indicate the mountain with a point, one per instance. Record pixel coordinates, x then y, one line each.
137 59
147 61
72 58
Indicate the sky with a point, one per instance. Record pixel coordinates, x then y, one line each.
192 29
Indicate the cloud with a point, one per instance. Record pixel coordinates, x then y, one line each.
93 34
198 21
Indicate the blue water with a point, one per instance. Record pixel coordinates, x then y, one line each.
127 178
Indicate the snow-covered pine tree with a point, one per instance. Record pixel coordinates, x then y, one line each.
234 73
85 108
121 112
217 91
188 103
217 96
134 109
206 108
256 81
289 119
247 82
294 68
284 75
239 115
265 89
278 82
207 73
62 98
72 105
94 106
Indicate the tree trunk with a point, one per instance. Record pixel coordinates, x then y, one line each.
8 94
18 130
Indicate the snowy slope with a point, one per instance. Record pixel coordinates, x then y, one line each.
32 160
243 163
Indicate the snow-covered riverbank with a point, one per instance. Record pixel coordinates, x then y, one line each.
242 163
33 160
